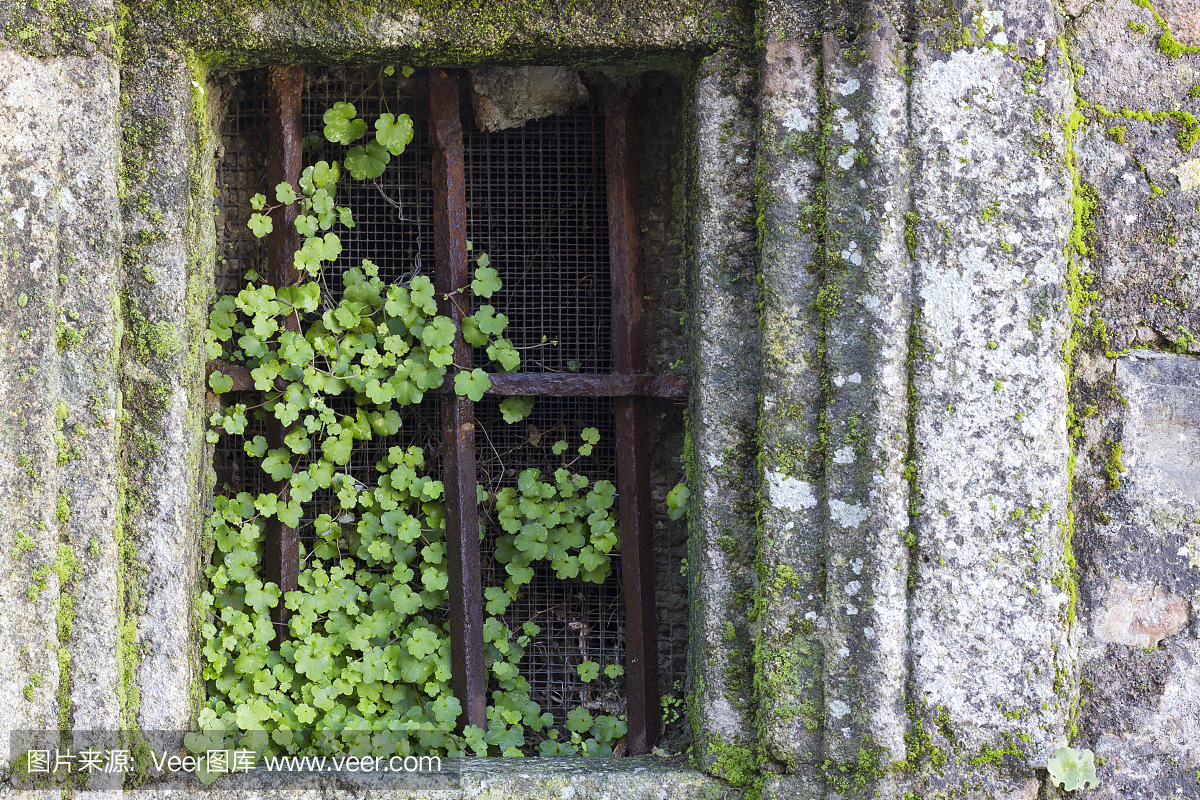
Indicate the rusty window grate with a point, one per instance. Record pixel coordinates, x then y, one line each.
539 200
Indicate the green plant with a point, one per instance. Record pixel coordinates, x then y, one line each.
678 501
367 665
1073 769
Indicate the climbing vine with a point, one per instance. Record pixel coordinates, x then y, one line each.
366 667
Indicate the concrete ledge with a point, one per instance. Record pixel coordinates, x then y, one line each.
482 779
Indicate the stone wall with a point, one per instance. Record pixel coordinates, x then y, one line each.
937 271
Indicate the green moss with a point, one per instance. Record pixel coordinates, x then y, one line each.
1168 45
63 511
34 682
829 300
922 752
1183 341
66 451
24 544
911 220
1117 132
60 27
994 756
64 689
738 765
66 336
38 579
858 774
1113 467
151 340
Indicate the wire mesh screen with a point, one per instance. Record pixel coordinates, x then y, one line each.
393 214
240 173
580 621
536 204
393 228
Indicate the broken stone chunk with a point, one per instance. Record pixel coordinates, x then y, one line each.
508 97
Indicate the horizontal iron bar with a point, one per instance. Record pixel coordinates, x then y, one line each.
548 384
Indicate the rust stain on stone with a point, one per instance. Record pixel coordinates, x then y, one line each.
1183 18
1140 614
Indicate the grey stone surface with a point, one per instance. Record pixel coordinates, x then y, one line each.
808 639
991 604
508 97
59 251
724 342
1142 584
1146 240
789 649
168 258
865 304
644 778
1161 441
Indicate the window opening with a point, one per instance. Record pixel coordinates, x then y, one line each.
535 199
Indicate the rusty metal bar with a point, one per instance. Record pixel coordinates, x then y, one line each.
557 384
281 557
534 384
469 675
632 418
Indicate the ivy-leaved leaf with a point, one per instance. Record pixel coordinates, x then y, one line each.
677 501
367 162
1073 769
284 193
515 409
220 383
472 384
487 281
260 225
341 125
394 133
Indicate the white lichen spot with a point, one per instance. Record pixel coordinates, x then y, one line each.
1188 173
789 493
19 215
838 709
848 515
844 455
852 588
35 265
849 87
797 119
839 381
850 130
856 565
846 159
854 377
869 632
40 187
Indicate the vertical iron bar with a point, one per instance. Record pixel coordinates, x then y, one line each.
458 413
281 561
632 418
